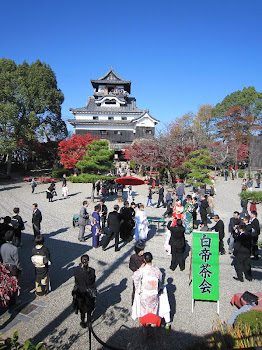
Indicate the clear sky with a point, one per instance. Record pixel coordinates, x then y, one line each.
178 54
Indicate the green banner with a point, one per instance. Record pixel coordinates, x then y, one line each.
205 270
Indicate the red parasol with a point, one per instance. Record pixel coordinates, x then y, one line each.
129 180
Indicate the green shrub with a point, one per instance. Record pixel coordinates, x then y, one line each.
260 244
89 178
241 174
240 336
251 318
59 172
13 344
251 196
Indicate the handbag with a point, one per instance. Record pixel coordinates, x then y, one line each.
249 298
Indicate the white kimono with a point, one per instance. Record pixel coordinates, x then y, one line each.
141 230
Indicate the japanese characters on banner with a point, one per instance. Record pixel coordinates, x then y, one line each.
205 261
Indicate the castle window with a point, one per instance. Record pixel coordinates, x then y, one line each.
103 132
124 118
110 118
149 132
95 118
110 102
118 133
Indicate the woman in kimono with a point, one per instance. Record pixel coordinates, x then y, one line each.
178 211
141 230
84 291
95 226
147 280
41 259
188 215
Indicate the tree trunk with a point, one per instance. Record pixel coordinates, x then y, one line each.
169 177
9 165
93 193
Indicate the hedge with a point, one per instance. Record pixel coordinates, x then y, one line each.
89 178
58 173
251 196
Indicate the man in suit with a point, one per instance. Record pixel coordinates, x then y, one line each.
18 225
178 245
254 223
220 228
242 251
36 219
233 224
113 224
103 214
203 210
83 221
160 196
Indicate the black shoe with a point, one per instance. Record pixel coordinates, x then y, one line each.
117 250
83 324
81 240
103 248
237 279
172 268
255 258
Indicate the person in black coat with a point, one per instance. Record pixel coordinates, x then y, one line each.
18 225
234 222
137 260
36 220
242 251
113 224
84 290
4 227
160 196
103 214
126 225
254 224
178 245
203 210
220 228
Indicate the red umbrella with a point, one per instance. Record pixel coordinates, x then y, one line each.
129 180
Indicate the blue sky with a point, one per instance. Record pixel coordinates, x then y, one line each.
178 54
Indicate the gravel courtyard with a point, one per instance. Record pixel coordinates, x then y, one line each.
56 324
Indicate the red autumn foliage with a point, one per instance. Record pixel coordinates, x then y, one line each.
73 150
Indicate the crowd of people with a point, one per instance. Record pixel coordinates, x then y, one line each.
184 213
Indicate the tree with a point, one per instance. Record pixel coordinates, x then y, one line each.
248 99
203 125
72 150
98 159
197 166
30 106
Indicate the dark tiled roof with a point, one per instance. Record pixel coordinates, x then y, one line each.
92 108
111 77
101 122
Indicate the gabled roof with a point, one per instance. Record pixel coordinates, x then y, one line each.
111 78
149 116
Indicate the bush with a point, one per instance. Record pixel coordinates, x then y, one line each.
132 164
12 344
251 196
58 173
260 244
240 336
251 318
89 178
241 174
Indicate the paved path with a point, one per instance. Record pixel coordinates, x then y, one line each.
54 322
